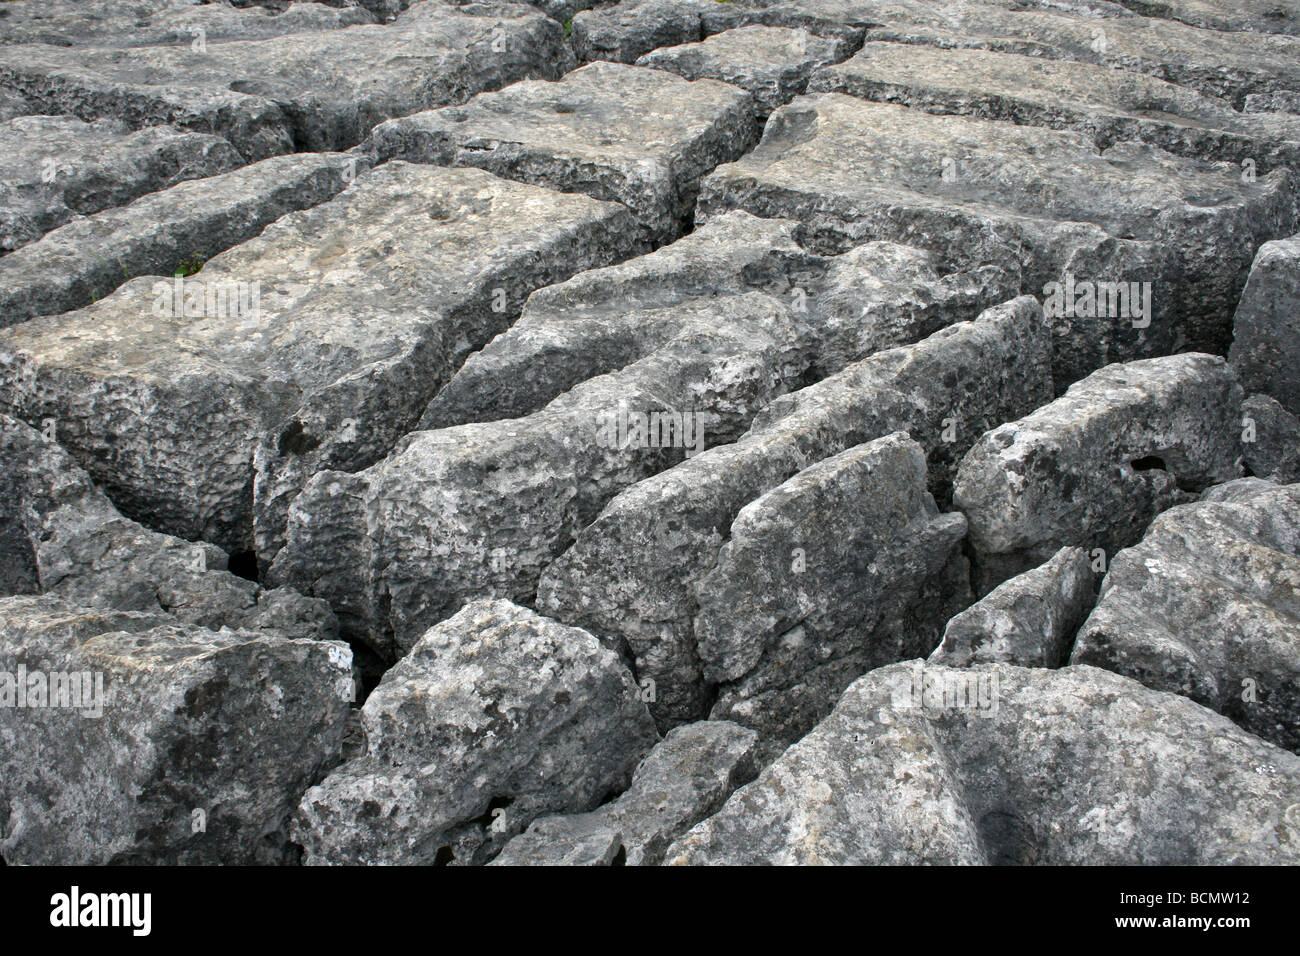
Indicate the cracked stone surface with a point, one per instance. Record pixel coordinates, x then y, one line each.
84 260
231 725
630 577
623 133
1095 466
55 168
302 91
349 338
644 432
851 171
686 777
893 776
1029 620
772 63
64 538
112 23
496 717
1266 334
1109 105
1207 605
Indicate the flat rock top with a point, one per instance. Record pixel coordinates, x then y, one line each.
114 23
605 112
1060 84
753 48
345 283
345 62
836 145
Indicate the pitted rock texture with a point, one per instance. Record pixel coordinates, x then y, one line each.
845 567
1095 466
687 776
772 63
185 724
631 576
1023 772
57 167
640 137
1266 331
114 23
1109 105
784 377
1207 605
311 91
1029 620
1270 440
172 229
496 717
684 347
62 537
1167 232
314 345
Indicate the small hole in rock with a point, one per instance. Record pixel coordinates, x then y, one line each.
1148 463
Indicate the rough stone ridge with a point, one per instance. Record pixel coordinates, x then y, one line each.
1095 466
685 778
57 167
1207 605
112 23
496 717
772 63
1029 620
922 764
194 749
640 137
302 91
1266 334
1270 440
1109 105
350 316
60 536
630 576
1167 232
845 567
175 228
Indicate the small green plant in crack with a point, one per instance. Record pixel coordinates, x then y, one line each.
188 267
568 27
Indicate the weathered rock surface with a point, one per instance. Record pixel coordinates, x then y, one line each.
304 91
1023 770
630 577
625 31
1095 466
847 307
1265 350
846 566
702 334
1171 235
62 537
349 317
1029 620
772 63
57 167
496 717
113 23
1270 440
184 225
187 746
1108 105
641 137
1279 101
479 510
685 778
1262 16
1207 605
